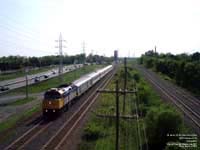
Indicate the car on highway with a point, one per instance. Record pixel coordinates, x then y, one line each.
37 79
53 72
46 76
4 88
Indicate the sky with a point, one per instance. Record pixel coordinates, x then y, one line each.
30 27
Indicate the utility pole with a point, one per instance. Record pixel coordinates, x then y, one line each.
125 82
117 116
60 46
116 92
26 70
75 70
83 46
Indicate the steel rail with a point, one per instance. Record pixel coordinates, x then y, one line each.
57 140
29 135
172 97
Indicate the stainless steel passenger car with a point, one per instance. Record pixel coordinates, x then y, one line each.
56 99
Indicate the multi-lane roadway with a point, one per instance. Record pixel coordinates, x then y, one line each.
7 85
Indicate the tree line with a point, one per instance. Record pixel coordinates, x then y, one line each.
183 68
20 62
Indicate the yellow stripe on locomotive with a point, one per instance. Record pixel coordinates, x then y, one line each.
53 104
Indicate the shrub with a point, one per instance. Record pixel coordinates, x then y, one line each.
160 122
93 132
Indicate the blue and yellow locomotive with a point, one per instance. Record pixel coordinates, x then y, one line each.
58 99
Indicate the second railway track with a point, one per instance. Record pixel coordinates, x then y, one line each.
187 104
29 135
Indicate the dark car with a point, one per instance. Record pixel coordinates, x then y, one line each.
53 72
37 79
4 88
46 76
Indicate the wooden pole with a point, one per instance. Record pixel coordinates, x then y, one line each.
117 116
125 82
26 70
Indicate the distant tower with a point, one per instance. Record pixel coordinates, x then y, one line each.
83 46
60 46
155 49
116 56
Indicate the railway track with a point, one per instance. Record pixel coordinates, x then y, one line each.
29 135
188 104
62 135
25 140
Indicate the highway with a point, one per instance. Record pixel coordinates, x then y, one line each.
34 78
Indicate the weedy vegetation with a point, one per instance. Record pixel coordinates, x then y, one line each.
155 120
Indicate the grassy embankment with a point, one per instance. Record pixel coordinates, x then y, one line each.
99 133
40 87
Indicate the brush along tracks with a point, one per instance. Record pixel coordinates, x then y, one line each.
57 141
188 104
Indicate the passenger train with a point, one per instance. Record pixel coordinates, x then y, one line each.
58 99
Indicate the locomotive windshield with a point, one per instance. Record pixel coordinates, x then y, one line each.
52 95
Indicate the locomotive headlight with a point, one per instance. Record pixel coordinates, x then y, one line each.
54 111
49 103
46 110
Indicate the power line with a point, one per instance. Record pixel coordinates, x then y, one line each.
10 20
18 34
117 93
15 45
25 43
13 29
14 26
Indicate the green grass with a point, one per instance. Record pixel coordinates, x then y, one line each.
99 133
22 73
54 82
22 101
67 78
13 120
155 102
